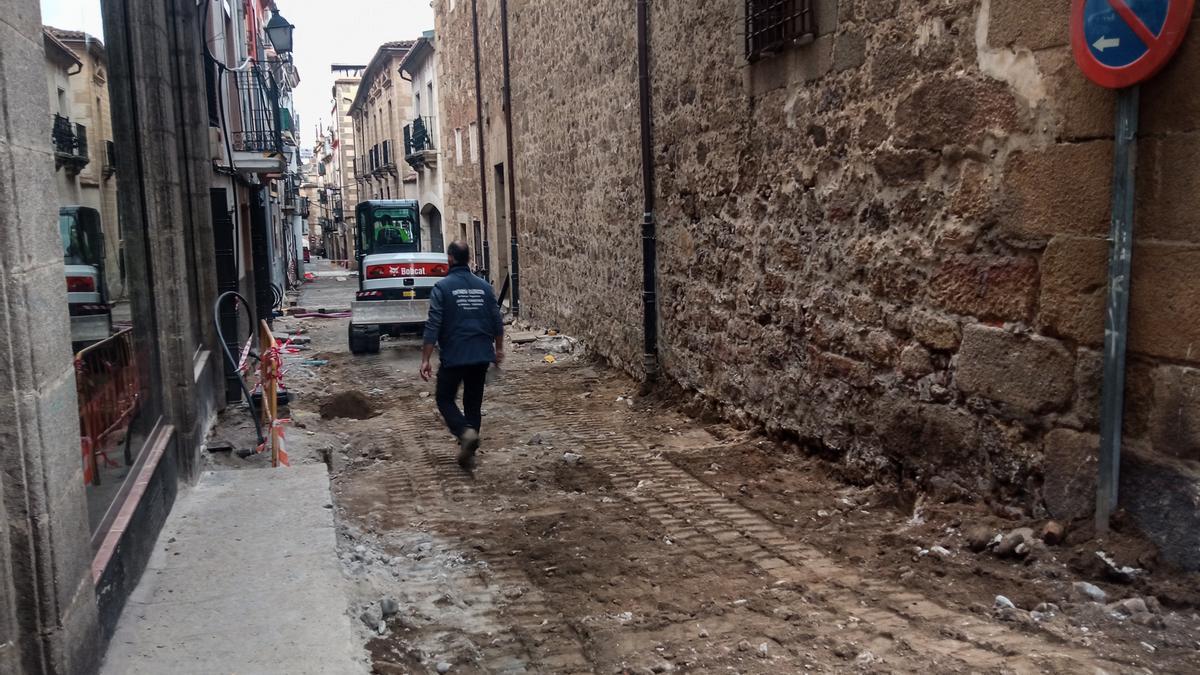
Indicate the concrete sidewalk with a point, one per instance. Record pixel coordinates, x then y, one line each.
244 579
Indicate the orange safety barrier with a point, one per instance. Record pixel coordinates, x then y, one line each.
271 363
108 384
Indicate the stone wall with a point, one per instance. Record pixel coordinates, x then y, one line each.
456 108
575 121
889 243
48 618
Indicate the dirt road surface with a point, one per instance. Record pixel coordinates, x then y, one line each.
608 533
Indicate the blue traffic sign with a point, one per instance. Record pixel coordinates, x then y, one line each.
1112 40
1119 43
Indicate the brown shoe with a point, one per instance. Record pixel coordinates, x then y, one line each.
468 443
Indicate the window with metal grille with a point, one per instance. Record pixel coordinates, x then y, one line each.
772 25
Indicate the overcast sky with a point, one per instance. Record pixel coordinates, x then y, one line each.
327 32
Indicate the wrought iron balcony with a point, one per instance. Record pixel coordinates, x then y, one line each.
420 146
260 115
70 144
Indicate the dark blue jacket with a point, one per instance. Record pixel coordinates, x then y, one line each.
464 319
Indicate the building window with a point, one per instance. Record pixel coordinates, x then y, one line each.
474 142
458 146
772 25
479 262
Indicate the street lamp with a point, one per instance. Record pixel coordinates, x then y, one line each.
279 32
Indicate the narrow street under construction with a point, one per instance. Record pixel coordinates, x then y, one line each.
841 336
607 532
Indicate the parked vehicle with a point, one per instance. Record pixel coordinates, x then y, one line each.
83 258
395 278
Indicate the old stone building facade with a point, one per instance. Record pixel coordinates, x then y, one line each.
381 108
68 138
422 147
344 177
469 138
886 240
91 107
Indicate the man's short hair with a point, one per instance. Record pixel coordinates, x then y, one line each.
459 252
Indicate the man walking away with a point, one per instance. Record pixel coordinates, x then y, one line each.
464 322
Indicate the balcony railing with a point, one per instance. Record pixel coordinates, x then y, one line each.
418 136
70 144
419 143
261 117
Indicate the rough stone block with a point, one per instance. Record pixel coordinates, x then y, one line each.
70 539
58 428
927 435
1163 497
33 240
26 118
878 10
1171 100
1175 415
1036 25
1089 386
78 644
1063 189
954 110
826 15
1082 109
1164 311
1031 374
22 16
896 167
915 361
1139 395
1074 289
1168 200
1071 469
986 287
838 367
849 51
935 331
43 307
811 62
880 347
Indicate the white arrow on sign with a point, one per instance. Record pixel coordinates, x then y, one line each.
1104 43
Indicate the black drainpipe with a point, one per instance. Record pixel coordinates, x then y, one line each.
515 266
483 192
649 234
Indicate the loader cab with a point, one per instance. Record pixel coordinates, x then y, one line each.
83 260
385 227
395 277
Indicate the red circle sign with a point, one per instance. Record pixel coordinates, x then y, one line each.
1119 43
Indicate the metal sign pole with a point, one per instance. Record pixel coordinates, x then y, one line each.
1116 323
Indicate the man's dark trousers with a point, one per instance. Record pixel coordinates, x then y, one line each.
472 379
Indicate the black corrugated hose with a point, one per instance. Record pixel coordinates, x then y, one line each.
233 362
